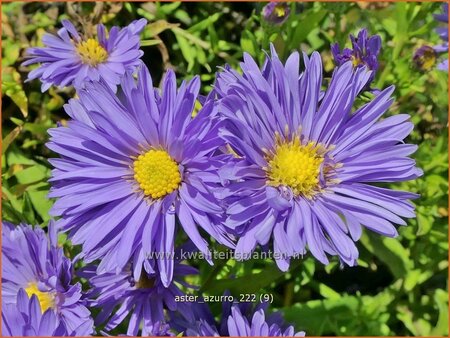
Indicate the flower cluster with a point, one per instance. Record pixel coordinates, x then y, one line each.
271 160
237 320
36 279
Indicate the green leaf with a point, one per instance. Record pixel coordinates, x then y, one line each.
158 27
8 139
187 50
441 301
306 23
10 52
142 12
12 87
328 292
344 315
250 283
424 221
204 24
390 252
9 213
169 8
11 199
150 42
191 38
41 203
412 279
15 156
249 43
27 211
33 174
418 327
402 25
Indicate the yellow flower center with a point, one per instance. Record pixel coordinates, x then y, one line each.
296 165
157 173
356 61
428 63
91 52
46 299
280 11
197 108
427 59
145 282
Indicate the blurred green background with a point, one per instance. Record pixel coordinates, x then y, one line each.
400 285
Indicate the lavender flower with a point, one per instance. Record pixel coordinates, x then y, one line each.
71 59
276 12
237 320
143 301
34 263
132 165
305 163
364 52
25 318
443 33
239 325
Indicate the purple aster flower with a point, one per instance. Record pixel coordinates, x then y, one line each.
241 326
425 58
443 33
143 301
161 329
25 318
237 320
131 165
306 163
34 263
276 12
71 59
364 52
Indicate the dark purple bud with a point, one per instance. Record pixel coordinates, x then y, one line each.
425 58
276 12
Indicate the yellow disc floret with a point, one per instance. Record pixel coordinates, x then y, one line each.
91 52
280 10
425 58
46 299
356 61
156 173
145 282
296 166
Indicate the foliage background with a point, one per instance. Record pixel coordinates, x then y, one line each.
400 285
